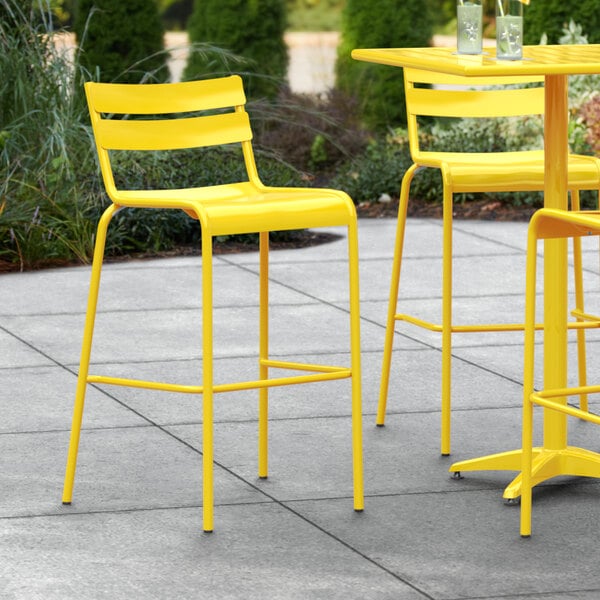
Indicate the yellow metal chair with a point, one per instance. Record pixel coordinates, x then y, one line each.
194 115
548 224
472 172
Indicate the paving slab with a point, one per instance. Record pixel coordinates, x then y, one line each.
260 551
134 528
128 468
154 335
469 549
42 399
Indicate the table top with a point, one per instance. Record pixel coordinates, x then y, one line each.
570 59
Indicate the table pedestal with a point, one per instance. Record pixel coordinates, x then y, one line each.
554 458
572 461
556 63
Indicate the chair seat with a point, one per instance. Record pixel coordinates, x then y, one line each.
245 208
507 171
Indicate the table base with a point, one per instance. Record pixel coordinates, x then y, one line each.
571 461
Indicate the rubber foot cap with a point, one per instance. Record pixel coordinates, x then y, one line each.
66 504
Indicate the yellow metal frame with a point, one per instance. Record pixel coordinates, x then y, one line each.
474 172
555 64
555 457
225 209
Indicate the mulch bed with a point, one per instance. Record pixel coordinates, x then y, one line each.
487 210
484 210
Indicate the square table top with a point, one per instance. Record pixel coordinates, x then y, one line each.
569 59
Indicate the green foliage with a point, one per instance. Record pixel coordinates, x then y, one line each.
315 15
313 134
443 12
252 29
62 10
380 169
175 13
121 41
482 135
45 149
550 17
376 171
51 193
137 230
379 24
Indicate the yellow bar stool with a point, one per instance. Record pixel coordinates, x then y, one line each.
199 114
551 224
486 98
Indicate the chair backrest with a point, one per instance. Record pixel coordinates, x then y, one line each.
430 94
185 115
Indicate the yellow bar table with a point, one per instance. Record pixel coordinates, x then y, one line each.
555 63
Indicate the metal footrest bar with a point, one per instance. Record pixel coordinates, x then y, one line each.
329 375
590 322
579 314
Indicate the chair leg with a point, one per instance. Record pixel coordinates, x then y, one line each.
207 381
263 394
446 320
579 306
393 297
86 349
528 380
357 441
526 465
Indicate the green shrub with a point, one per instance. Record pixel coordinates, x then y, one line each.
51 195
252 29
550 17
45 148
311 15
313 134
142 230
380 169
481 135
175 13
376 171
379 24
121 41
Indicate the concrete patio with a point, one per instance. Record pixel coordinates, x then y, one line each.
134 529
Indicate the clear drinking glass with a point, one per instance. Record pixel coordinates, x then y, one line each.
468 26
509 29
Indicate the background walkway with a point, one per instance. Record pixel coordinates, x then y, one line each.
134 529
312 57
